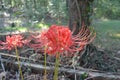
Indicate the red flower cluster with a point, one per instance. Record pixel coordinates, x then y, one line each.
12 42
60 39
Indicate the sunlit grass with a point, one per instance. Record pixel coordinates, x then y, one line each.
115 35
13 29
41 25
35 27
22 29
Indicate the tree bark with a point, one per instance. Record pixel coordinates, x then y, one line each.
79 12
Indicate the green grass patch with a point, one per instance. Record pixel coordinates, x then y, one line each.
108 34
41 25
107 26
115 35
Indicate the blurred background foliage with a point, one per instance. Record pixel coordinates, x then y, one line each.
33 11
109 9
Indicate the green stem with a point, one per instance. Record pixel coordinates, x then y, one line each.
16 51
56 66
45 59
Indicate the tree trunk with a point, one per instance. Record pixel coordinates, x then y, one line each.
79 12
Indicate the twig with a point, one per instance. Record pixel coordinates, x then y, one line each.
14 56
72 71
23 58
117 58
2 65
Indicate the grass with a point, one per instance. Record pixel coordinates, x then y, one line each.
11 29
108 34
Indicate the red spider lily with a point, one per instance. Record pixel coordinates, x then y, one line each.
12 42
56 39
60 39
